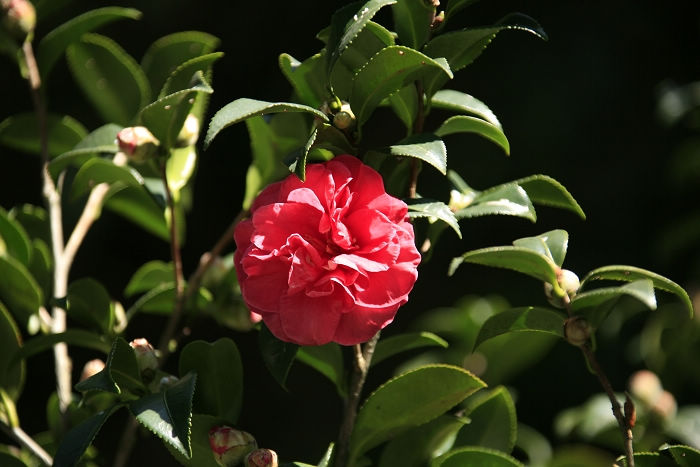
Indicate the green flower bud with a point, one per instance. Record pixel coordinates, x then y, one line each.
577 331
230 446
138 143
569 283
189 133
145 358
261 458
19 17
344 119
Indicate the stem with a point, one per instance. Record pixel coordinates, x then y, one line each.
616 408
363 358
417 128
28 443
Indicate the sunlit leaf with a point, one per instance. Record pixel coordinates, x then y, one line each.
530 319
434 210
412 19
492 421
101 140
552 244
390 346
475 456
465 124
308 78
685 456
546 191
426 147
506 200
457 101
596 304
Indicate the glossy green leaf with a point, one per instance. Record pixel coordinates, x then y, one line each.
19 291
277 355
121 372
482 457
419 207
531 319
77 440
457 101
98 171
168 53
405 105
21 132
55 42
110 78
505 200
389 70
161 300
149 276
244 108
74 337
648 459
631 273
466 124
298 167
685 456
412 20
552 244
327 360
596 304
426 147
102 140
11 370
346 25
327 456
219 375
493 422
418 446
13 239
546 191
89 303
181 78
308 78
409 400
199 440
168 414
390 346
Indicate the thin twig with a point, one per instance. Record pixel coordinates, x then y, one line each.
28 443
417 128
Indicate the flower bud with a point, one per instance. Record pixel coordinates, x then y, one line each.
230 446
261 458
665 406
19 17
577 331
145 358
138 143
646 387
189 133
91 368
345 118
166 382
569 283
459 200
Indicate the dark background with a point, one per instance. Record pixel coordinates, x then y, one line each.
581 107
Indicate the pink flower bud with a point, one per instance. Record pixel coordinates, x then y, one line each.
646 387
230 446
138 143
261 458
92 368
19 17
145 357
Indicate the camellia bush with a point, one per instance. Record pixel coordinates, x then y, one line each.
327 246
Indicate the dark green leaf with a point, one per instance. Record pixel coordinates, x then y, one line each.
308 78
121 372
11 370
161 300
77 440
102 140
453 6
419 207
98 171
244 108
166 54
409 400
77 337
8 460
21 132
390 346
34 220
181 78
533 319
298 167
457 101
89 303
552 244
55 42
465 124
412 19
220 376
389 70
426 147
277 355
493 423
685 456
505 200
405 105
109 77
482 457
149 276
327 360
13 239
19 291
648 459
168 414
596 304
199 439
631 273
546 191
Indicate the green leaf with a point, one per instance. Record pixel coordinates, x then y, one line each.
199 440
19 291
35 221
648 459
412 20
552 244
277 355
161 300
546 191
121 372
102 140
307 78
346 25
389 70
465 124
482 457
390 346
13 239
457 101
21 132
110 78
327 360
181 78
11 370
426 147
242 109
531 319
55 42
8 460
506 200
685 456
77 440
420 207
76 337
298 167
631 273
168 414
89 303
168 53
453 6
409 400
405 105
596 304
493 422
98 171
149 276
220 375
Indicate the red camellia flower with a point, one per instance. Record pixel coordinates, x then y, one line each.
328 259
